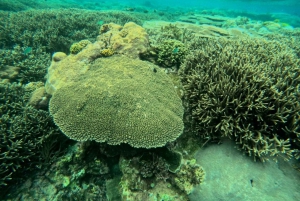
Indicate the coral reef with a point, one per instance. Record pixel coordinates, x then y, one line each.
288 37
13 5
106 44
146 177
80 174
39 99
246 90
58 56
8 73
117 100
29 139
215 20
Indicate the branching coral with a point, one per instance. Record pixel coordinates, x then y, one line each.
55 29
25 135
31 67
247 90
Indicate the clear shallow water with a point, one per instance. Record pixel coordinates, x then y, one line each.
257 6
285 10
256 17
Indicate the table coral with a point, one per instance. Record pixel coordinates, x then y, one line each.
119 100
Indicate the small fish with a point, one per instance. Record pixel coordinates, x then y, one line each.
176 50
27 50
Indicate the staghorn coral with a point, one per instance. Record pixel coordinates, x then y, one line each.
28 139
30 67
56 29
247 90
118 100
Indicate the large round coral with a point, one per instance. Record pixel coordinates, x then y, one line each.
119 100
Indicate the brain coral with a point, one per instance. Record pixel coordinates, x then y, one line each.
119 100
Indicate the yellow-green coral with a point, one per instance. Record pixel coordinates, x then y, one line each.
190 174
171 53
119 100
77 47
107 52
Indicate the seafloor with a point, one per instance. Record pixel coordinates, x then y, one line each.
116 101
